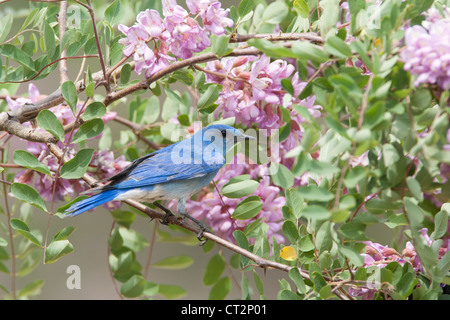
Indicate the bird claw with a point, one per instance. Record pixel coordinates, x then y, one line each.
200 237
165 219
203 228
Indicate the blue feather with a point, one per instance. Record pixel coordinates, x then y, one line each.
92 202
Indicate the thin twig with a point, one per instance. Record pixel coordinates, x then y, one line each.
63 71
99 49
10 231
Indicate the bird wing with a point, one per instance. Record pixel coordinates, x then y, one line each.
158 167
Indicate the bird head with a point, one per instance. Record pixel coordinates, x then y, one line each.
223 135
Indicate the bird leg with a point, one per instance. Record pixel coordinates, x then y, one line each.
201 225
165 219
182 211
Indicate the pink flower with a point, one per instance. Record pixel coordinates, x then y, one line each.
151 21
178 33
135 36
427 53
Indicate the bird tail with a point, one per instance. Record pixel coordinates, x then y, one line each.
92 202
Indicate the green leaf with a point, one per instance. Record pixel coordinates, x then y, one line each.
133 287
125 73
248 208
326 293
150 289
415 213
306 50
94 110
90 89
57 249
306 243
337 47
258 283
316 212
219 45
315 193
18 55
171 291
209 97
275 12
176 262
288 295
28 160
245 7
290 231
69 92
48 121
353 231
295 276
88 130
440 224
354 176
214 269
352 255
30 289
64 233
281 176
21 227
5 26
49 39
390 155
406 284
271 49
76 167
114 13
414 188
28 194
221 289
239 189
302 8
132 239
294 201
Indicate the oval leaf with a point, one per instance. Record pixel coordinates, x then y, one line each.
88 130
133 287
49 122
94 110
21 227
248 208
69 92
28 160
28 194
76 167
214 269
57 249
239 189
177 262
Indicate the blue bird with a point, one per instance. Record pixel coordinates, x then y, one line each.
174 172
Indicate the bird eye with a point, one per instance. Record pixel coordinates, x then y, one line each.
224 133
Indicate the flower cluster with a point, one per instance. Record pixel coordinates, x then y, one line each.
103 161
253 94
217 209
380 256
252 91
427 51
178 34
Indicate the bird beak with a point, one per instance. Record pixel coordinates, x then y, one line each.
244 138
248 138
